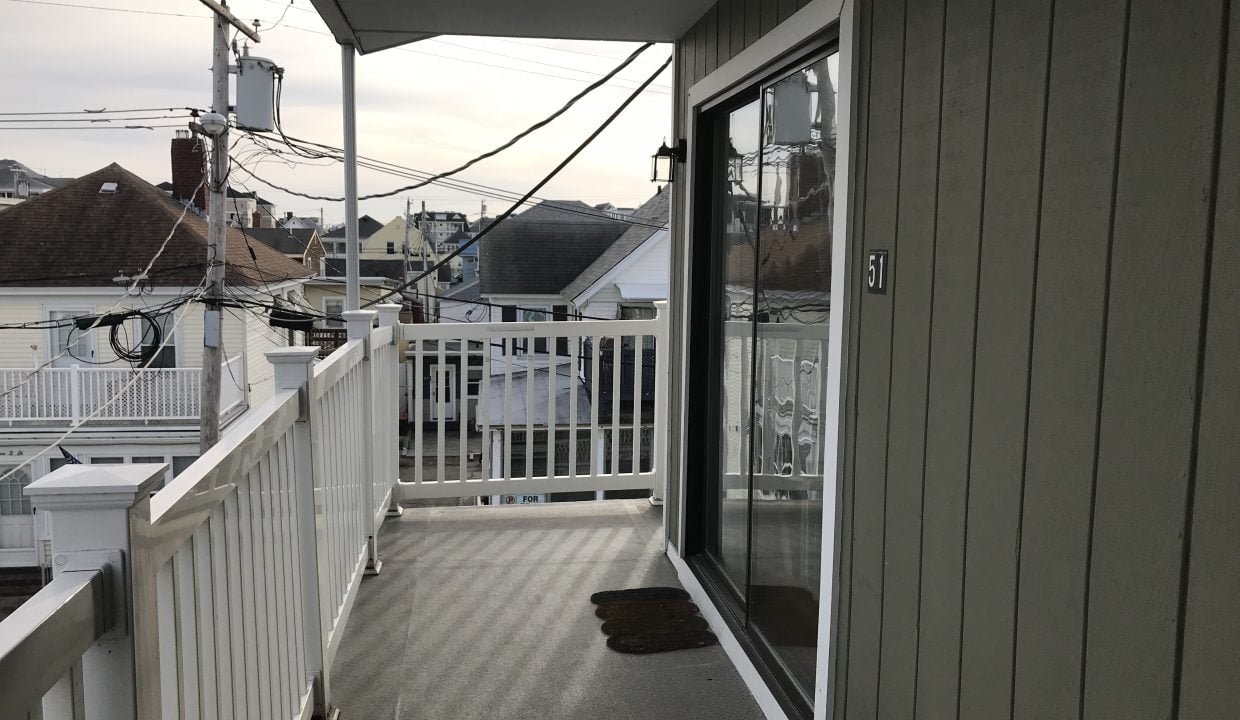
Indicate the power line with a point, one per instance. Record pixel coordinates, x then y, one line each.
110 9
101 111
97 127
490 153
413 173
96 120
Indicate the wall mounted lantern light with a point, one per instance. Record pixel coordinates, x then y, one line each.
665 160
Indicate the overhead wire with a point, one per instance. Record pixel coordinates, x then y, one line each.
538 186
477 159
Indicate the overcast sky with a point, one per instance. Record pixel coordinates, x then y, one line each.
430 105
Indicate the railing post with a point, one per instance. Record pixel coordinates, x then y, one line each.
358 324
293 367
389 316
75 393
90 515
658 440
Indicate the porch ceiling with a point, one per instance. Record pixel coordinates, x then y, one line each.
373 25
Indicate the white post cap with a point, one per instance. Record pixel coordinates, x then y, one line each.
95 487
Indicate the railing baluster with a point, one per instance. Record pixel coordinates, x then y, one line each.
639 369
236 608
203 583
169 665
531 362
417 409
484 417
441 380
509 352
574 350
462 419
617 352
553 364
596 461
187 630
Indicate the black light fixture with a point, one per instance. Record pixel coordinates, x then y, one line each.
736 165
664 162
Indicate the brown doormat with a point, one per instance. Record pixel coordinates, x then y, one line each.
649 593
644 608
655 624
643 643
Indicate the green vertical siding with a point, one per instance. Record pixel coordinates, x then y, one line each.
1040 510
878 208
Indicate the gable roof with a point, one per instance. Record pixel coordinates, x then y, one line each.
465 292
543 249
653 212
39 183
77 236
290 241
366 226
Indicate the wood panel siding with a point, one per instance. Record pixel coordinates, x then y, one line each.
1040 513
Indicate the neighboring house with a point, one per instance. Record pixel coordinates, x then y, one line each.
462 304
73 253
249 209
438 226
465 265
629 276
334 240
302 222
388 243
19 183
302 245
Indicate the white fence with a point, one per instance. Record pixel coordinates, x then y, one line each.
67 395
526 394
226 592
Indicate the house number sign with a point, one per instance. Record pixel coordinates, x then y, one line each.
876 272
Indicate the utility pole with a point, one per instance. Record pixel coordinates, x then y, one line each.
425 289
212 338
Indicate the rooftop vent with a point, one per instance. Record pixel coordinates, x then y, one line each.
108 188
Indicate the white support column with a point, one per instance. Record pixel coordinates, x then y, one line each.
90 509
352 284
293 367
389 316
658 442
358 324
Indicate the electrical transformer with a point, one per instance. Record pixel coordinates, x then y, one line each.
256 93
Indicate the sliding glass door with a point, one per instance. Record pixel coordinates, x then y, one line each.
771 180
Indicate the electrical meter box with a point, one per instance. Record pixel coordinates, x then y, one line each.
256 79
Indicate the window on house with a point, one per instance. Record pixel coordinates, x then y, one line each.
157 334
12 500
180 462
333 307
391 248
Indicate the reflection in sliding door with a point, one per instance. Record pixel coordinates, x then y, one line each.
734 237
792 308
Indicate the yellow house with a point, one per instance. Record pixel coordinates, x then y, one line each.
389 241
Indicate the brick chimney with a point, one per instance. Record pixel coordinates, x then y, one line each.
188 168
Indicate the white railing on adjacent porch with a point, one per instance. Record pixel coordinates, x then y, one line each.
127 395
224 594
575 393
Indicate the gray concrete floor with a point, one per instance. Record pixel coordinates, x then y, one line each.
484 612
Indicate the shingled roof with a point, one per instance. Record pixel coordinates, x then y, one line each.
77 235
544 248
290 241
647 220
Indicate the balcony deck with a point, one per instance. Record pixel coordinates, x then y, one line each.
485 613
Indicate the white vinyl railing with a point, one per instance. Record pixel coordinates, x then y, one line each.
230 587
68 395
521 408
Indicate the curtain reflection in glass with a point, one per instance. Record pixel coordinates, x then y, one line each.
792 307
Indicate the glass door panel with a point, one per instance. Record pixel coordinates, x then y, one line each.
735 237
792 309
